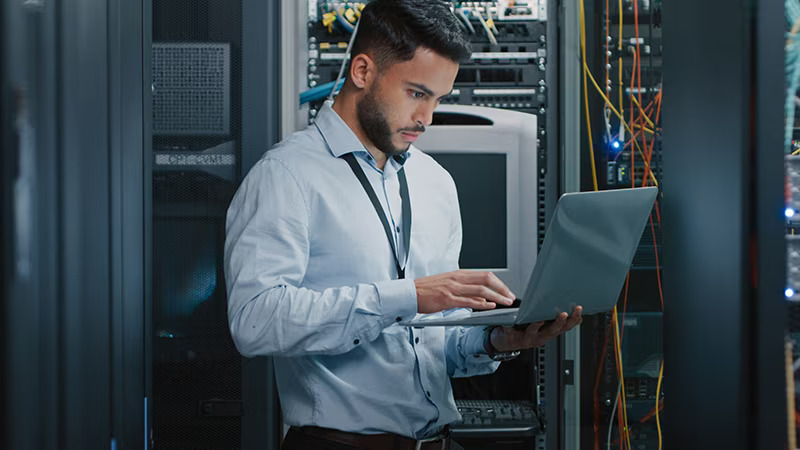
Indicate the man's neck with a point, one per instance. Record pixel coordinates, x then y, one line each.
345 107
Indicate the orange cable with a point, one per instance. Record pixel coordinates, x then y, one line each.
601 361
632 121
586 95
652 412
638 72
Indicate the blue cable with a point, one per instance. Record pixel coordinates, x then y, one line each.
319 92
344 23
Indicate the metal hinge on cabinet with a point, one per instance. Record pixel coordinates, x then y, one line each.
569 372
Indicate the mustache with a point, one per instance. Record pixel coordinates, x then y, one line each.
418 129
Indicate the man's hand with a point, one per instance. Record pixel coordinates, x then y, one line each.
508 339
461 289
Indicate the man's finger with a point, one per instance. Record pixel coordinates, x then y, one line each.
474 290
474 303
555 328
575 318
489 280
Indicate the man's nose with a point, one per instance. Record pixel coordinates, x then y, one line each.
424 114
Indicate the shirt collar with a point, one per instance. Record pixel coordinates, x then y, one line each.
340 137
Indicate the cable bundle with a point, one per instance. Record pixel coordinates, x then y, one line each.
639 127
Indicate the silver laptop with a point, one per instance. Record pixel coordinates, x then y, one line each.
586 254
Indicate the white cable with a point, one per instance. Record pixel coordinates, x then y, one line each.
344 60
489 33
613 412
463 15
489 17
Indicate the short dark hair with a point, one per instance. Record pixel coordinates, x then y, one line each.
392 30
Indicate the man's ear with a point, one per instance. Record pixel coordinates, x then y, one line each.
362 71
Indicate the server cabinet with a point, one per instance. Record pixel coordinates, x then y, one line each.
72 130
212 106
734 273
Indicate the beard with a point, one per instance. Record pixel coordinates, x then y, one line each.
373 121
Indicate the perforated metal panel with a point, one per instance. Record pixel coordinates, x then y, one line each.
197 86
191 89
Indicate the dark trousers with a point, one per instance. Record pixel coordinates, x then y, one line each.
297 440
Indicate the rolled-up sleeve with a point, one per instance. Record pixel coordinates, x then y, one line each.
266 255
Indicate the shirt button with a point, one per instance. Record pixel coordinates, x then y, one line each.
416 340
428 393
397 229
356 342
399 319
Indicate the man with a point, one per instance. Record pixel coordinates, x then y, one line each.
316 280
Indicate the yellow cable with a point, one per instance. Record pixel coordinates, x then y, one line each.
608 102
586 97
619 55
647 119
645 129
796 152
586 73
658 394
623 395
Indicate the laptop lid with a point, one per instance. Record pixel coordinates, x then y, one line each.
587 252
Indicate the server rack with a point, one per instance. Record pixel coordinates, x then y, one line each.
725 378
621 37
200 391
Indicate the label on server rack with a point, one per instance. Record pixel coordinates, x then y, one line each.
182 159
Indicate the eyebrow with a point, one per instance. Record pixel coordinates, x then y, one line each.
425 89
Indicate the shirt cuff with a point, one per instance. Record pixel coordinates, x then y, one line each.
472 343
398 300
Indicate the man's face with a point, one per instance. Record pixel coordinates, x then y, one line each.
399 104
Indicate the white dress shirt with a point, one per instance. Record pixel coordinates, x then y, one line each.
312 280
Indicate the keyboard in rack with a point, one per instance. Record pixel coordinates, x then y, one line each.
493 417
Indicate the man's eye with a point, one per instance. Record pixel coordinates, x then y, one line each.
417 94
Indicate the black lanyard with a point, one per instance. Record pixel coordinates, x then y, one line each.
406 202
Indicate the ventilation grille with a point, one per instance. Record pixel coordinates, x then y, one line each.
191 89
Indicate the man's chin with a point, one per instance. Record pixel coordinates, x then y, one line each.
400 150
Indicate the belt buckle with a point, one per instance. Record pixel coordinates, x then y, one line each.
438 437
